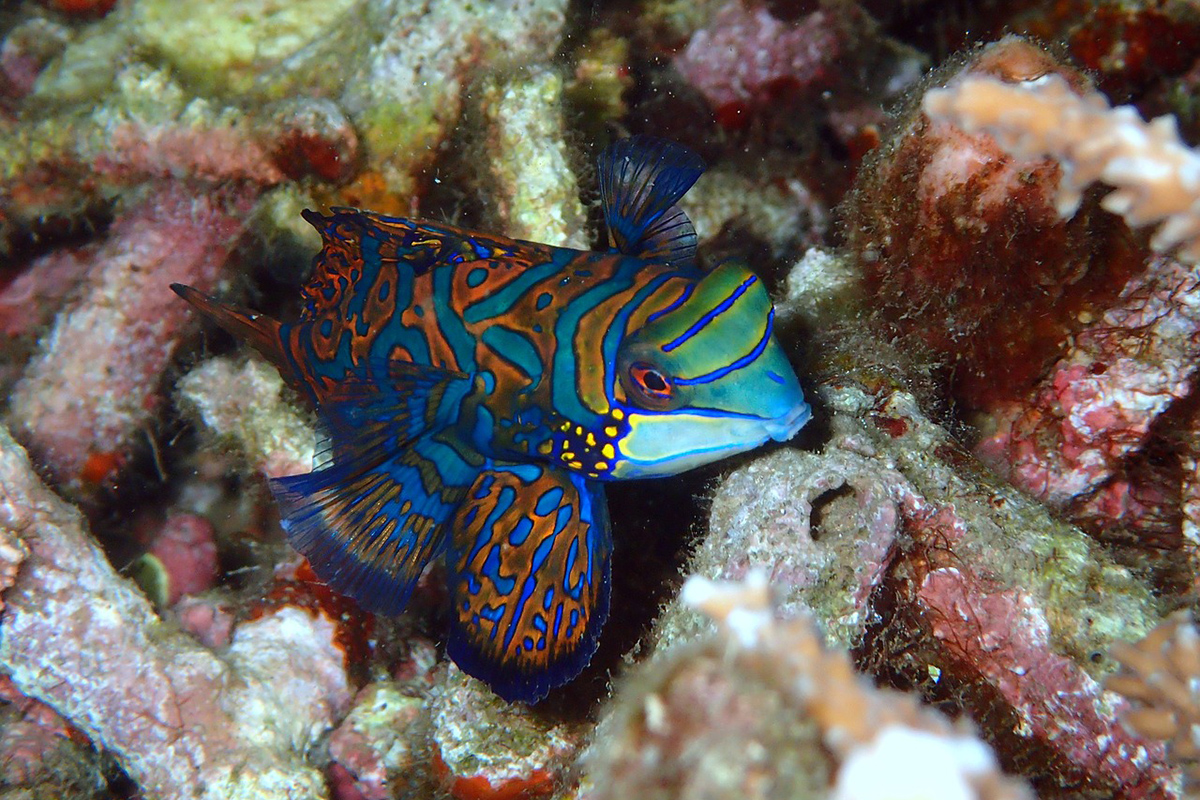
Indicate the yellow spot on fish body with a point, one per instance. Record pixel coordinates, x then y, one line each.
608 451
591 438
618 414
601 465
611 432
545 447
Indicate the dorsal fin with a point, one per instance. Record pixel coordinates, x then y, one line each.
357 240
641 179
258 330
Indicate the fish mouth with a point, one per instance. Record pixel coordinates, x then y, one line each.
784 428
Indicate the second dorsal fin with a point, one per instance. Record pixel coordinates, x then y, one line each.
641 179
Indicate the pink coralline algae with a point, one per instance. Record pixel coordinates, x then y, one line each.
485 749
375 745
942 579
182 558
38 742
182 721
763 710
95 380
1098 403
745 54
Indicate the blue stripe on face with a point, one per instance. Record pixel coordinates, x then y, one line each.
616 331
736 365
721 308
687 292
563 390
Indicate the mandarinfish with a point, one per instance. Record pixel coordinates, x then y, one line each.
475 393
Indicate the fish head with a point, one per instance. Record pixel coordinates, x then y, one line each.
705 379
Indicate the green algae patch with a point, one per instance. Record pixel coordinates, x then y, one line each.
221 47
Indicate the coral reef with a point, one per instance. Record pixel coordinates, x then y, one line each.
94 383
1099 401
182 721
940 578
1067 339
241 401
38 748
527 153
965 252
373 746
998 324
1152 171
484 747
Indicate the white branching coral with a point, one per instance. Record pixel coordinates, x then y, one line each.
1155 176
1161 675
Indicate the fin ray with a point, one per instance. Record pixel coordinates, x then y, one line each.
374 510
368 526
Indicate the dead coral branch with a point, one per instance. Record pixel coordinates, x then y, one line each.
182 721
1155 175
1160 676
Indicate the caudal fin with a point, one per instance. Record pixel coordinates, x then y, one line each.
258 330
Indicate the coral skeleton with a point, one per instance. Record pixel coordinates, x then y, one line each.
181 720
1155 175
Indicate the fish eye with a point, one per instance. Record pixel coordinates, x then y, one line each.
650 385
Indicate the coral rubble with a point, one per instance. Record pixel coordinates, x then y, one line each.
989 276
763 709
182 721
940 578
94 382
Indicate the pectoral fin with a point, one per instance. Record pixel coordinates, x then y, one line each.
376 509
529 578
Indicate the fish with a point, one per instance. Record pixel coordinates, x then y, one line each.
475 393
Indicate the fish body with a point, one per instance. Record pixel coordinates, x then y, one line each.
475 393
